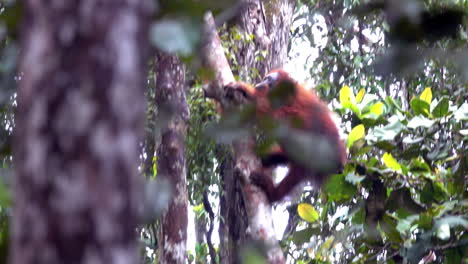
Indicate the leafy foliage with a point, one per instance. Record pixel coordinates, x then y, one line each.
403 194
399 87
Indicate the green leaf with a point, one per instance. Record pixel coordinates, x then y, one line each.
391 162
419 165
388 132
404 225
356 133
357 60
420 107
389 226
433 192
303 236
425 221
441 108
338 189
360 95
307 212
359 216
453 255
402 201
325 247
5 195
426 95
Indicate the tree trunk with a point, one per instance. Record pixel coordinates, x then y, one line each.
232 231
172 117
78 125
270 26
269 22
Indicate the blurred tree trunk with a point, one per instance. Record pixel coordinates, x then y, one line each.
78 126
270 25
173 114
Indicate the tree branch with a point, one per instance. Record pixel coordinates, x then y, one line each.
257 205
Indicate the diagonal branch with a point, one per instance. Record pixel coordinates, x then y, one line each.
257 206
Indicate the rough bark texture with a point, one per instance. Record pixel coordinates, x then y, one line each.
232 231
269 22
78 124
172 117
257 208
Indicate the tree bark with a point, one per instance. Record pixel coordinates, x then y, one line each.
269 22
78 125
232 230
270 25
173 114
256 207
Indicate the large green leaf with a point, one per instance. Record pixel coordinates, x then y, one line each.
420 107
441 108
338 189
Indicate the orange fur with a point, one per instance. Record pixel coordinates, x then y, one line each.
315 118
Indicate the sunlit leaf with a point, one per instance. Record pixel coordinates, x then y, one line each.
388 132
420 121
426 95
356 133
462 112
354 178
346 97
360 95
377 109
443 231
391 162
307 212
453 221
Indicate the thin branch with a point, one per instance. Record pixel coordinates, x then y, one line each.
209 210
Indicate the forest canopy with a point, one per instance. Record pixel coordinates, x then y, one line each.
118 143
